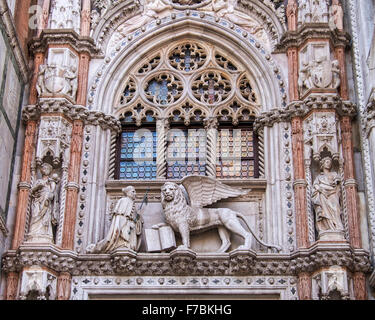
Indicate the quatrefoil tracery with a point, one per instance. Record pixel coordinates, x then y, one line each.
188 74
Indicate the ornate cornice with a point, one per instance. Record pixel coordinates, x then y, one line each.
63 37
71 112
301 109
187 262
310 32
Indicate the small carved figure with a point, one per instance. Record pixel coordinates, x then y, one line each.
336 79
304 79
337 15
226 9
71 85
151 10
126 226
40 86
44 206
204 191
326 198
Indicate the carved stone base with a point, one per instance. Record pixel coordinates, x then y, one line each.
332 236
39 239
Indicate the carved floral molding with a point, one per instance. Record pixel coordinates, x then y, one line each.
187 262
302 108
71 112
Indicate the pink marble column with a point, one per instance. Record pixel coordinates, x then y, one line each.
11 286
292 15
64 281
304 286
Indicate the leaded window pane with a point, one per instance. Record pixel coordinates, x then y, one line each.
186 153
236 153
137 155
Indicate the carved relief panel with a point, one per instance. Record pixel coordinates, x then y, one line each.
58 77
65 14
318 71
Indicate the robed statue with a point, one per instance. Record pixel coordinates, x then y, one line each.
326 198
44 206
126 227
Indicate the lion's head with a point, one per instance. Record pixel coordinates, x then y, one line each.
171 192
174 201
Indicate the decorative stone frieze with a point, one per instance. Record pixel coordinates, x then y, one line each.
65 15
64 38
308 31
188 263
71 112
318 102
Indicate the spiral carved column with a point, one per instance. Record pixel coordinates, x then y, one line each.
211 126
162 126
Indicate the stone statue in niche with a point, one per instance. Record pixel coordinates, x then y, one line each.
337 15
204 191
55 80
326 199
312 11
126 226
44 206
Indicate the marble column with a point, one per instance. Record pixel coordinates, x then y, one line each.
162 127
360 291
292 54
292 15
304 286
12 286
64 281
350 183
86 18
300 183
340 56
73 185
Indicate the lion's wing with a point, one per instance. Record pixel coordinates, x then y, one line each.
204 191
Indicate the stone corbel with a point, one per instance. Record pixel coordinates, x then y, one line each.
331 284
37 284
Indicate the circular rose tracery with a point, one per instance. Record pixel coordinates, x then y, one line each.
211 87
164 88
187 57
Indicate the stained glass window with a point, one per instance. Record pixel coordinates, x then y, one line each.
137 154
236 150
186 152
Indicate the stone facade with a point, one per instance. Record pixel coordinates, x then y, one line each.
293 213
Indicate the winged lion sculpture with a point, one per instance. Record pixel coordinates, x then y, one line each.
204 191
